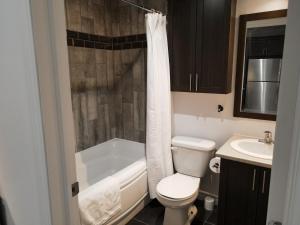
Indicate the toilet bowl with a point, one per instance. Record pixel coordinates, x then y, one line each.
179 191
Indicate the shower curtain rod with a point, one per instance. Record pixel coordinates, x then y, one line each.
141 7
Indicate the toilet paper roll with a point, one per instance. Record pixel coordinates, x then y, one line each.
215 164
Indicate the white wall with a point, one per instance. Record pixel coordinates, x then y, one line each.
196 114
23 175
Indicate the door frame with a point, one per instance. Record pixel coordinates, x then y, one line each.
292 201
285 179
49 30
50 42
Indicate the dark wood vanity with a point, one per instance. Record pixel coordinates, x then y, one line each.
201 38
243 193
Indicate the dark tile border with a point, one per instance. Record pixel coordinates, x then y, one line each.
80 39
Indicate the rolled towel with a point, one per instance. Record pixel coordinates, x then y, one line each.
100 202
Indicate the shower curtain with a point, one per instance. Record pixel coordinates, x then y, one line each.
158 133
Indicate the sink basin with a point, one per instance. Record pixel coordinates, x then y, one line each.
253 147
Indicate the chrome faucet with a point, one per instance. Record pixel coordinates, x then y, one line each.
268 138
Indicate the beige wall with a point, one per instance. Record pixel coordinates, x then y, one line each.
196 114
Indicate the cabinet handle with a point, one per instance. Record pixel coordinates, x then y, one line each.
253 180
265 51
190 82
197 81
279 71
264 181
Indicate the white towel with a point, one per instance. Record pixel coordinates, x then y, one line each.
99 202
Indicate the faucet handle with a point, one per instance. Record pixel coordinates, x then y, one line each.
268 137
268 133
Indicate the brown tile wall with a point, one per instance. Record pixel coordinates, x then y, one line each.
108 94
108 86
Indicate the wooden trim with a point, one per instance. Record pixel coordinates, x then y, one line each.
230 48
50 42
291 73
170 39
291 213
240 61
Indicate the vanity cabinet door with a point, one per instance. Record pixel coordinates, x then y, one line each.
263 196
243 194
238 193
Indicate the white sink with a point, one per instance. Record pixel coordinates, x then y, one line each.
253 148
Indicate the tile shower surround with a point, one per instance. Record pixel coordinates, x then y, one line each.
108 82
109 99
80 39
108 94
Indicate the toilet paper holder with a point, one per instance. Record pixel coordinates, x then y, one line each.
215 164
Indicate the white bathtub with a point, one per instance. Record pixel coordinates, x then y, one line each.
124 160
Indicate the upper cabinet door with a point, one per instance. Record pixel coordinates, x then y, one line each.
201 35
182 30
216 22
274 47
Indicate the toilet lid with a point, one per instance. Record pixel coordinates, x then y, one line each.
193 143
178 186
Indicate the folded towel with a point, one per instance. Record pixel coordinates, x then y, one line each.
99 202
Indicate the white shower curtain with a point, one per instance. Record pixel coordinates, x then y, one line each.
158 133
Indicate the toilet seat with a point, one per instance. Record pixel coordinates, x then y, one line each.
178 187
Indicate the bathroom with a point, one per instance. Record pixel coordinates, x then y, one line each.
150 112
109 99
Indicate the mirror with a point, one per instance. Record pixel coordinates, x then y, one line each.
259 59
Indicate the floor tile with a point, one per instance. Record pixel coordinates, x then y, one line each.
207 223
213 219
202 215
152 214
135 222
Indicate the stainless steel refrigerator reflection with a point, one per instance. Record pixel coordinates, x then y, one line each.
262 86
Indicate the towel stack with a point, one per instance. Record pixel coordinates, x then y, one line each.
100 202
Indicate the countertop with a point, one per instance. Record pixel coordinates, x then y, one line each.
227 152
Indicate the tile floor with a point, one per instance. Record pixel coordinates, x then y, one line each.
153 214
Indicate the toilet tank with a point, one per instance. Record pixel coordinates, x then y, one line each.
191 155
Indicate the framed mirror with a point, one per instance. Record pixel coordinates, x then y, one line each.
258 69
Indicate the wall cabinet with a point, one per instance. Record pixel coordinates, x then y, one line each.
265 47
243 194
201 38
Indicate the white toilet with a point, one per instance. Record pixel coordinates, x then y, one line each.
179 191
